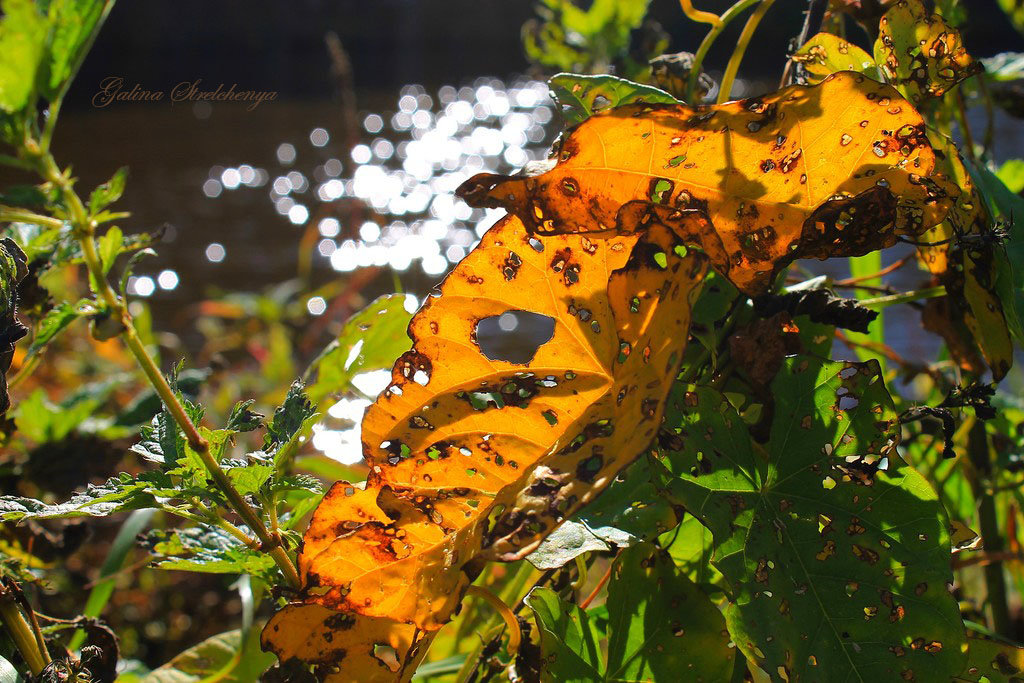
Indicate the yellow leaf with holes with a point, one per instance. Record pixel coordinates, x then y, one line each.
837 169
826 53
919 53
478 449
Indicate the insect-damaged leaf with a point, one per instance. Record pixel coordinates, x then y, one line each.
579 97
990 661
920 53
824 525
825 54
837 169
476 458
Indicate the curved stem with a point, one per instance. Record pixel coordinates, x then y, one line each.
515 635
84 228
699 16
733 67
709 40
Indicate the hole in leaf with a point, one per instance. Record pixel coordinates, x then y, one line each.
387 656
514 336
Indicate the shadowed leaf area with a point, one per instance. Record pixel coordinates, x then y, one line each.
825 524
838 169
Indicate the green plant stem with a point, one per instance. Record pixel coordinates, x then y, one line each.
84 230
709 40
995 581
905 297
9 214
26 370
21 633
733 67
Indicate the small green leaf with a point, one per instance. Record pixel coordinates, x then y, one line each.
110 247
580 97
22 41
109 192
563 545
117 494
370 340
568 640
242 419
289 417
247 476
53 323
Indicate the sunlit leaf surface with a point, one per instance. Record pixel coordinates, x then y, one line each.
826 54
837 169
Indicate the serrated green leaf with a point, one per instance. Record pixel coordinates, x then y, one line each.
74 23
22 42
209 549
289 417
824 525
660 624
44 422
242 419
54 322
117 494
247 476
580 97
109 192
370 340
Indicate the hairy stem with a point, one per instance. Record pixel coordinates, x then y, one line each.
84 228
995 581
733 67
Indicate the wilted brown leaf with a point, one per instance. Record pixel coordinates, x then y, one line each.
837 169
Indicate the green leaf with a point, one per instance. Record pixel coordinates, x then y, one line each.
44 422
209 549
22 41
108 193
247 476
824 525
991 661
74 24
289 417
110 247
372 339
563 545
242 419
661 624
568 640
221 658
117 494
580 97
824 54
54 322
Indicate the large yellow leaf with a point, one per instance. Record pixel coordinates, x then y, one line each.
473 457
837 169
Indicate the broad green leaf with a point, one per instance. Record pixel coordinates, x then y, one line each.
117 494
209 549
824 54
370 340
108 193
825 525
579 97
22 42
569 642
661 626
74 24
690 545
220 658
